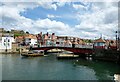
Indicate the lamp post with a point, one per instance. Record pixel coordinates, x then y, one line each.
119 40
116 40
118 43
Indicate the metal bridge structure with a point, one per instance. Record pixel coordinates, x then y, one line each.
76 49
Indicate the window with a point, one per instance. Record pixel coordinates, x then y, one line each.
4 44
98 44
57 42
8 40
8 44
4 40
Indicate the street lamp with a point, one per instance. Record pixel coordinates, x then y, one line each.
119 40
118 43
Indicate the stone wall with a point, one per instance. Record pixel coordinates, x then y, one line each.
15 49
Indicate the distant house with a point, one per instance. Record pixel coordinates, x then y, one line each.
1 30
111 44
19 39
64 41
99 43
30 40
6 41
105 44
46 39
60 41
39 39
68 43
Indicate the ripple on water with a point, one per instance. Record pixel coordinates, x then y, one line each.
16 67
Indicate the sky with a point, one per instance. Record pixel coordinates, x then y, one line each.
81 18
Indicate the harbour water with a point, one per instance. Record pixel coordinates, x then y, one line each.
15 67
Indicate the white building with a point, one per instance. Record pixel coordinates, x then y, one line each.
6 42
60 42
30 40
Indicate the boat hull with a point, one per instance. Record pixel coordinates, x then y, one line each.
67 56
32 55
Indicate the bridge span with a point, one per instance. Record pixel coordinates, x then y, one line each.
75 49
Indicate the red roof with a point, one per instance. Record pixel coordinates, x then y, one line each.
100 40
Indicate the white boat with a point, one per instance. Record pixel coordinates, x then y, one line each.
67 55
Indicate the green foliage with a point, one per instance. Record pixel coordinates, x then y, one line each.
17 49
87 40
27 32
16 35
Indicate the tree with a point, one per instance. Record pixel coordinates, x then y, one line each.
21 32
27 32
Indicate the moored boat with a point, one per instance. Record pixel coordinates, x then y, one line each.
33 53
66 56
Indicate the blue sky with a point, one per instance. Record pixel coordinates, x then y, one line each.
79 19
65 14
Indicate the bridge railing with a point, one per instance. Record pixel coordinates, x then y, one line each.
83 46
69 45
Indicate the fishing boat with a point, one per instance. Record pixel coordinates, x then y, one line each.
33 53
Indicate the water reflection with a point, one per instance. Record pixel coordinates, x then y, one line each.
0 67
89 58
103 70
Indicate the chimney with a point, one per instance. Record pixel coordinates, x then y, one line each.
53 33
40 33
47 33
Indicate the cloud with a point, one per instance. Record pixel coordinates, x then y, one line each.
47 5
52 26
12 19
76 6
82 5
50 16
53 16
102 20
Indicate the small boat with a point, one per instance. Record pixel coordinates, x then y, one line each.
67 56
33 53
